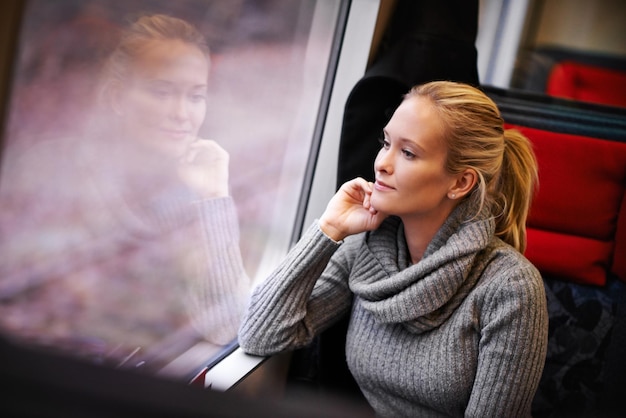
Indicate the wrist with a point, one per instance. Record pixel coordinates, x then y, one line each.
330 231
212 191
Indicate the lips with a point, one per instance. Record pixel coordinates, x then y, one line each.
176 133
382 186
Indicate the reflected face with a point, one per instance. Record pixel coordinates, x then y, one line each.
163 104
411 179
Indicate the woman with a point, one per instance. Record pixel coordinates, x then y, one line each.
447 316
129 235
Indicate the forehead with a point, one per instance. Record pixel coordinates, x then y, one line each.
171 58
417 119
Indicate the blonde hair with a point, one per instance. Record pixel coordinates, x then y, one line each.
138 35
503 159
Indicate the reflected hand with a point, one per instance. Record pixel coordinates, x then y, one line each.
204 168
350 212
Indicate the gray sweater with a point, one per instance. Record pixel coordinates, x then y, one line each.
462 332
91 262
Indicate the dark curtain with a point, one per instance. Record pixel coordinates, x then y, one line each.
425 41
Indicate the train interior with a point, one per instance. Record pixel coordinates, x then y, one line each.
302 90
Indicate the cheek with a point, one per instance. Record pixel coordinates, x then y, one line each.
424 185
198 113
144 108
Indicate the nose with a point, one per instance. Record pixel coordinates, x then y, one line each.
179 110
384 162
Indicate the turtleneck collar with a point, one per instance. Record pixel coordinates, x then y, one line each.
421 296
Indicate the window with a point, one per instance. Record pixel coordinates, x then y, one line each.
108 252
569 50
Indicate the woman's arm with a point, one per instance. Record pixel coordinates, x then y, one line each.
218 291
303 296
512 348
310 287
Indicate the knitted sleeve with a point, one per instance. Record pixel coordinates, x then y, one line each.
300 298
217 293
512 347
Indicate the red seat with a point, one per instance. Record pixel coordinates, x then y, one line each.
577 222
572 80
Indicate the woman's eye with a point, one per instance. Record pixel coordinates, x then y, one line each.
160 93
197 97
384 143
408 154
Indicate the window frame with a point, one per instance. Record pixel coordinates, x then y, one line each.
351 48
352 38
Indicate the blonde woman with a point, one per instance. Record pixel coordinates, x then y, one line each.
125 241
447 316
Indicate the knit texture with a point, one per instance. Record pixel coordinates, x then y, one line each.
91 258
461 333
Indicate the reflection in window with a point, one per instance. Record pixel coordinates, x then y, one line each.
147 181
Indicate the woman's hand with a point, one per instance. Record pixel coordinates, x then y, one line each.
350 212
204 168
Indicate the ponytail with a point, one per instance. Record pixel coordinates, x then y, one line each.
517 183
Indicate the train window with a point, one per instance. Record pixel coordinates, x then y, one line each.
146 184
570 50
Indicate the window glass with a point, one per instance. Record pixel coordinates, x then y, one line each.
565 49
146 184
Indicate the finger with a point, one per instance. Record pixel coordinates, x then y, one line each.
207 144
366 200
359 187
355 183
369 189
362 183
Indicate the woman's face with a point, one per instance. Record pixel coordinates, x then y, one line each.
411 179
163 104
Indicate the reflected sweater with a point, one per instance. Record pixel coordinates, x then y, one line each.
93 259
461 333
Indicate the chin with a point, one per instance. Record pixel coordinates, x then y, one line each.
168 148
380 205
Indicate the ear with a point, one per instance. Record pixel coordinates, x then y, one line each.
464 184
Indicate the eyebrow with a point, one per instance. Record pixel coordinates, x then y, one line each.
160 81
406 140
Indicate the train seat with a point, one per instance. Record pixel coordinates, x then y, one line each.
577 239
588 83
